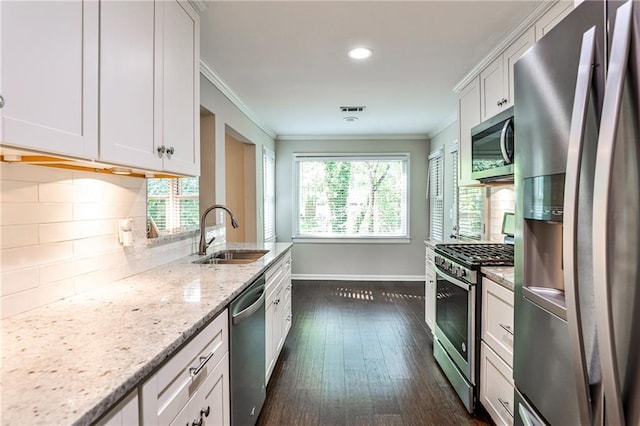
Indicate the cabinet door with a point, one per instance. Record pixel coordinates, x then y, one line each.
491 89
49 75
497 319
270 322
509 58
177 86
468 117
127 84
552 17
430 290
124 414
215 395
496 386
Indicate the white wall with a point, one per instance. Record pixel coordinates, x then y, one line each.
229 119
501 199
447 138
355 261
60 234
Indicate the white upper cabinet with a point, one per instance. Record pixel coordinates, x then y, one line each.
497 78
49 76
149 86
510 57
127 84
178 70
468 117
492 89
552 17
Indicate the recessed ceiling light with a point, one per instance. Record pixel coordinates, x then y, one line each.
350 119
360 53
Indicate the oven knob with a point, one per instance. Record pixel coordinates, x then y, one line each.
462 273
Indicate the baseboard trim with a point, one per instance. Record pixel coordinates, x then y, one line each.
335 277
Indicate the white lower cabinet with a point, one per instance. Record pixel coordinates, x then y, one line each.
496 386
124 414
277 311
496 352
430 289
193 385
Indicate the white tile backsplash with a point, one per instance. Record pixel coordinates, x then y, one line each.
502 200
18 192
18 236
29 213
60 234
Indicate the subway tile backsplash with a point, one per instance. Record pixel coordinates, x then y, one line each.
502 200
59 234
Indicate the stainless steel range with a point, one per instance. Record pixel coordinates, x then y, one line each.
457 329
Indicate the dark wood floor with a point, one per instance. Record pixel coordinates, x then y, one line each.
359 353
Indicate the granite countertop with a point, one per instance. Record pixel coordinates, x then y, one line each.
70 361
502 275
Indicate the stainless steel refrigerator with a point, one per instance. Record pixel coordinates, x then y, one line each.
577 253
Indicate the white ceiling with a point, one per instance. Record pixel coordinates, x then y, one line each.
287 60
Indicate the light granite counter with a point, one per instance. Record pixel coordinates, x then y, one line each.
502 275
70 361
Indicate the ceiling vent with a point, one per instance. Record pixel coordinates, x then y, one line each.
352 108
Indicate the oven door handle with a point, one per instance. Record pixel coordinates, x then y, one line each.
452 280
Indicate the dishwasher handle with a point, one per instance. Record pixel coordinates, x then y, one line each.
254 298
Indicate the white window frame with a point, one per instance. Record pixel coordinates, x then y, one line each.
305 238
269 194
435 195
172 211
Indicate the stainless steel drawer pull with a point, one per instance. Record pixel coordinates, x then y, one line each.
505 404
507 328
193 371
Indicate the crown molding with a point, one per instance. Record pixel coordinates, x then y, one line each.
209 73
444 124
394 137
199 5
540 10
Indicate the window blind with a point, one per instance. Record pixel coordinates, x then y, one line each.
173 204
354 196
468 204
436 195
269 181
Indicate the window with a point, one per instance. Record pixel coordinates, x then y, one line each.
468 206
351 196
435 189
173 204
269 180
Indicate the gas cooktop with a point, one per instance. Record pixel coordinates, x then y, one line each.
478 254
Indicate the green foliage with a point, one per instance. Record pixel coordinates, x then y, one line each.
338 179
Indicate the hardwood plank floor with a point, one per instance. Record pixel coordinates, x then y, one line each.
359 353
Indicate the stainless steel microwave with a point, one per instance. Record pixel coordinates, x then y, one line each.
492 147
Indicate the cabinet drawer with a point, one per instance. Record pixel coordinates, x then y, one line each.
496 386
211 401
175 383
497 319
277 272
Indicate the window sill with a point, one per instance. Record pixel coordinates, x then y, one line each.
361 240
171 238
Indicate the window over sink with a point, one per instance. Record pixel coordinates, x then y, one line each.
361 197
173 204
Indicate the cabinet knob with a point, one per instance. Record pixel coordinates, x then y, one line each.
161 150
1 101
499 103
170 151
205 411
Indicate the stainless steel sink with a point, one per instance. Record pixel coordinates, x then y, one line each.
232 257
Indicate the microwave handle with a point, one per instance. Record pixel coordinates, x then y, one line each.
503 141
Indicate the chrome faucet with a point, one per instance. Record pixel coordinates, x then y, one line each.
203 239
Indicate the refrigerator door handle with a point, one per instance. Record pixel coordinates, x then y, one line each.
611 109
569 230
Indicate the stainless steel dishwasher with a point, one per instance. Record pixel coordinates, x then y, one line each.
248 390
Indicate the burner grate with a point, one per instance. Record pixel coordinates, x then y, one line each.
479 254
